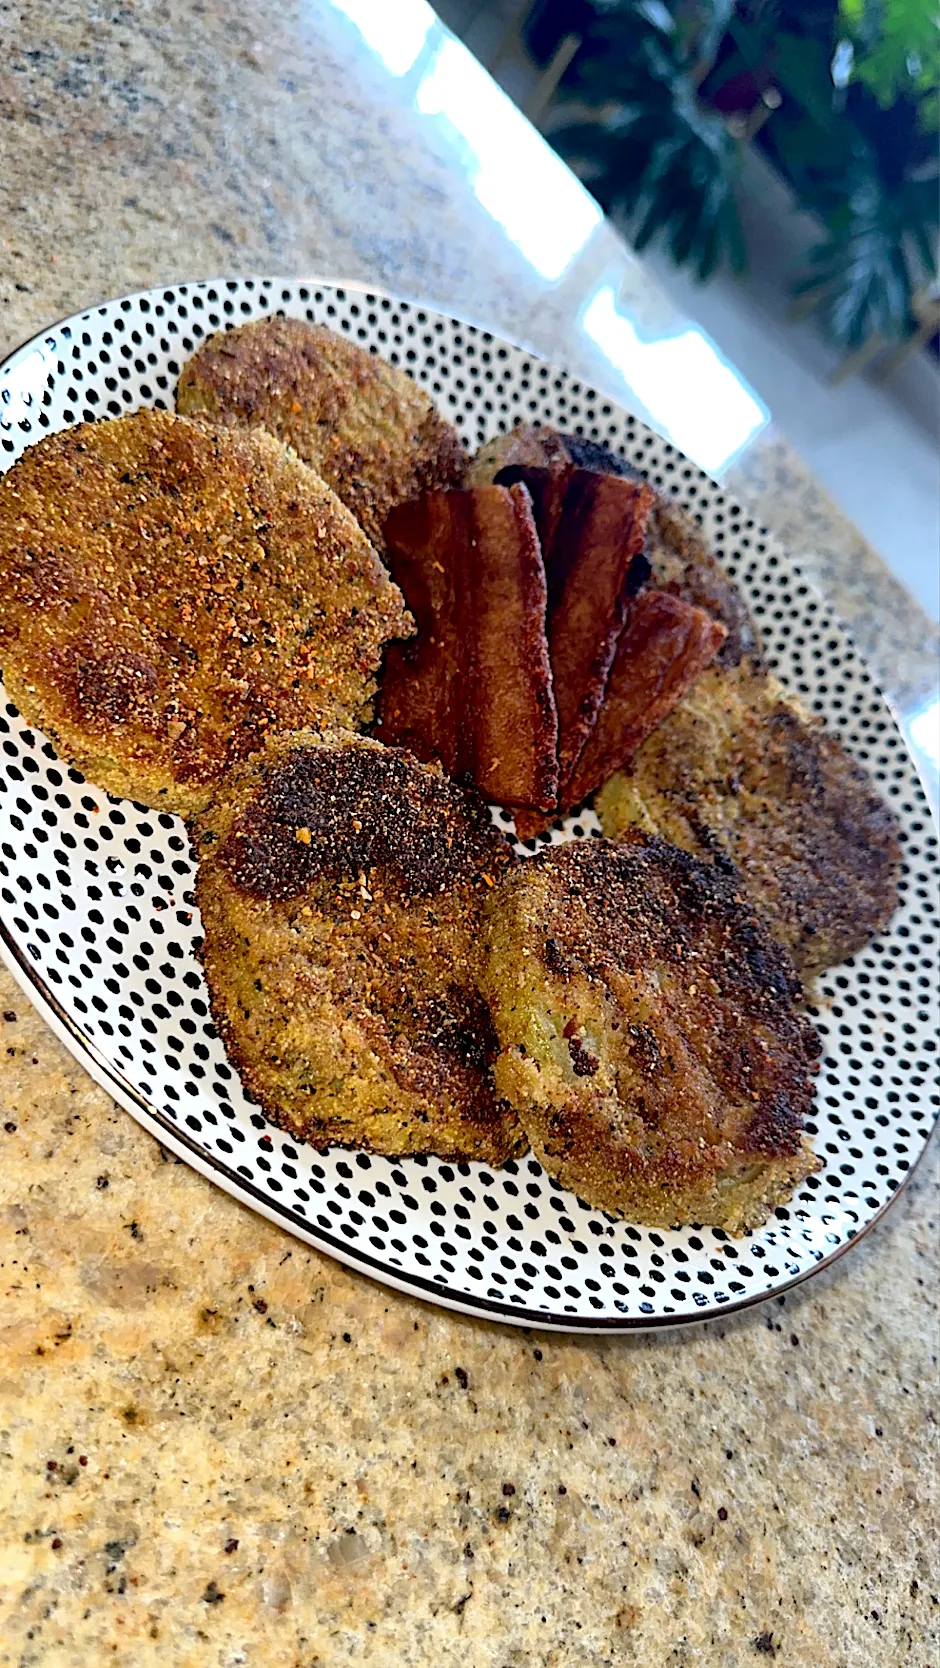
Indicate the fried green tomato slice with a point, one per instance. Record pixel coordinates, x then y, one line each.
649 1035
171 593
341 888
374 435
739 773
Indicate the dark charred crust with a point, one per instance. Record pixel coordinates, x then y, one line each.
640 896
739 775
615 910
777 1127
341 908
339 811
583 1064
645 1050
592 454
649 1035
555 960
461 1027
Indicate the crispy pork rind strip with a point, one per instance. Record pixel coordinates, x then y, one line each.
592 529
475 688
664 647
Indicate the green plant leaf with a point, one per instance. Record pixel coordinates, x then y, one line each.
897 51
880 247
664 161
670 168
801 68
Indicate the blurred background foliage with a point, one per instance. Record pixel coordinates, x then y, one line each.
659 98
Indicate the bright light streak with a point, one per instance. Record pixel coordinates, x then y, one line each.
516 177
395 29
691 393
925 731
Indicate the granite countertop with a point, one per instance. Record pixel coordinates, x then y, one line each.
216 1446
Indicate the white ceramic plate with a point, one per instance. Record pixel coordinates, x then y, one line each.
97 920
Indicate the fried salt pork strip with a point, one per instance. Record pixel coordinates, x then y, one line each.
592 529
664 647
680 559
475 688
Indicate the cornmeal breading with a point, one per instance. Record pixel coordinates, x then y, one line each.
649 1036
738 772
340 890
374 435
171 593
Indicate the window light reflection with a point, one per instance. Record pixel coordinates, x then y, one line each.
516 177
691 393
924 730
396 30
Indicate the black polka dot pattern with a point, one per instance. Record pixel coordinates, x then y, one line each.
97 913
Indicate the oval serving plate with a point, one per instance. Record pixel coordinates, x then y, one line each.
98 925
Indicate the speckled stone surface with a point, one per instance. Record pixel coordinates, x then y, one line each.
898 641
408 1487
218 1448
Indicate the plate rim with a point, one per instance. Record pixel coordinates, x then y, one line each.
95 1062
